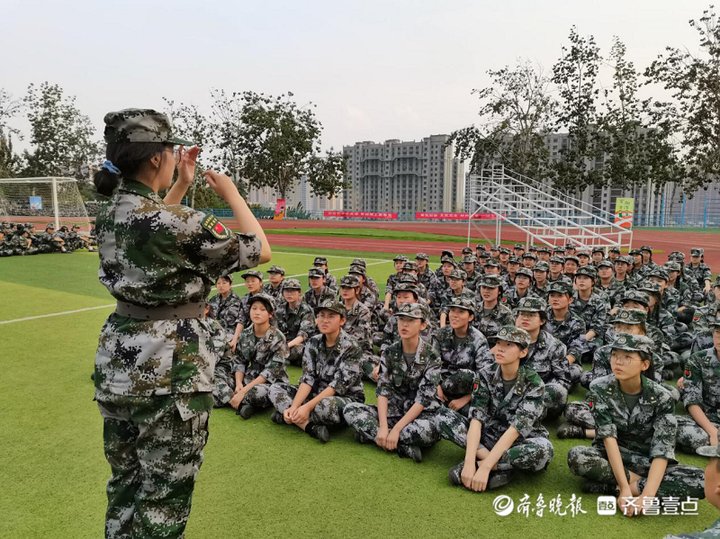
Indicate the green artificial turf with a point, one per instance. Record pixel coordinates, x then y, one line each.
259 479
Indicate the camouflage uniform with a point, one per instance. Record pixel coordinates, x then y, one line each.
403 385
294 321
273 292
337 367
489 323
224 380
324 294
153 377
227 311
497 409
698 274
546 356
702 388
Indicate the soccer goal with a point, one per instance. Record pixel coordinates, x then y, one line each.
42 200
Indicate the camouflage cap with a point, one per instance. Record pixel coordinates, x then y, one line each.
697 251
334 306
646 248
629 316
268 300
400 258
447 253
484 254
598 250
627 259
633 343
291 284
276 269
649 287
560 287
422 256
530 255
519 246
409 266
717 282
605 264
491 281
227 276
491 262
359 262
570 245
713 320
349 281
615 249
586 271
411 310
541 266
315 272
406 287
527 272
357 270
559 249
466 251
532 249
462 302
572 258
408 278
672 265
480 246
557 259
660 273
504 251
532 305
584 253
457 273
513 260
445 259
543 249
635 296
252 273
50 225
514 335
677 255
635 252
140 125
320 260
469 259
711 451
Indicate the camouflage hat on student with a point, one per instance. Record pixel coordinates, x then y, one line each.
462 302
457 273
635 296
491 281
334 306
629 316
633 343
531 305
560 287
349 281
140 125
411 310
276 269
252 273
291 284
315 272
268 300
514 335
422 256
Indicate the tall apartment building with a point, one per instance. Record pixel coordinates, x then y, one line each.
300 194
404 177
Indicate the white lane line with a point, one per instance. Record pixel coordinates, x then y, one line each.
75 311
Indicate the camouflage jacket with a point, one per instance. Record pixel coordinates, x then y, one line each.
671 300
649 428
389 334
449 296
593 312
404 385
315 300
359 325
264 356
489 324
511 298
664 322
392 280
428 279
570 332
274 292
601 363
331 281
372 285
472 353
368 297
154 254
546 356
297 321
702 383
521 408
337 367
245 309
227 311
698 274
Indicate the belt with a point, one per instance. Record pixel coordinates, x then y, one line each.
161 312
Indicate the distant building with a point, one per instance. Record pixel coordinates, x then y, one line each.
301 194
404 177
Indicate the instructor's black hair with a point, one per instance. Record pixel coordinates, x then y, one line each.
128 157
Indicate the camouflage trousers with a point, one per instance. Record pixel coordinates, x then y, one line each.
576 373
154 446
579 413
457 384
690 435
592 464
296 354
555 399
585 379
224 386
329 411
422 432
369 362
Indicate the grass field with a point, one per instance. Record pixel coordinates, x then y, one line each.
259 479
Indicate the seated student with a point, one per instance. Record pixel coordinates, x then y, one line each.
521 287
504 432
546 355
276 275
253 285
330 380
456 280
701 396
567 327
463 351
491 313
224 379
592 307
321 263
295 319
712 492
318 293
358 323
633 453
399 262
404 419
227 308
261 355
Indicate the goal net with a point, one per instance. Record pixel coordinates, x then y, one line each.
41 201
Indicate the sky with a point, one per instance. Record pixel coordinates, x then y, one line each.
375 70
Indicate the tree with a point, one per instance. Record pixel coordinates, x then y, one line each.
575 75
60 134
9 107
694 84
516 112
326 175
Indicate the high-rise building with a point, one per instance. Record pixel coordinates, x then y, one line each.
300 195
404 177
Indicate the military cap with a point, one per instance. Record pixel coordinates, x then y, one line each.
572 258
406 287
400 258
466 250
584 253
469 259
462 302
615 249
625 260
268 300
527 272
447 253
409 266
646 248
633 343
227 276
530 255
315 272
411 310
598 250
334 306
532 249
484 254
532 305
319 260
457 273
422 256
491 262
605 264
635 252
542 266
560 287
714 319
480 246
359 262
697 251
291 284
557 259
717 282
712 451
50 225
513 260
349 281
635 296
559 250
276 269
671 265
504 251
252 273
140 125
629 316
447 259
519 246
587 272
514 335
649 287
569 245
408 278
543 249
490 281
677 255
659 272
357 270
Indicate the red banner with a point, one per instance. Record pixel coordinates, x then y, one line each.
279 209
389 216
451 216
